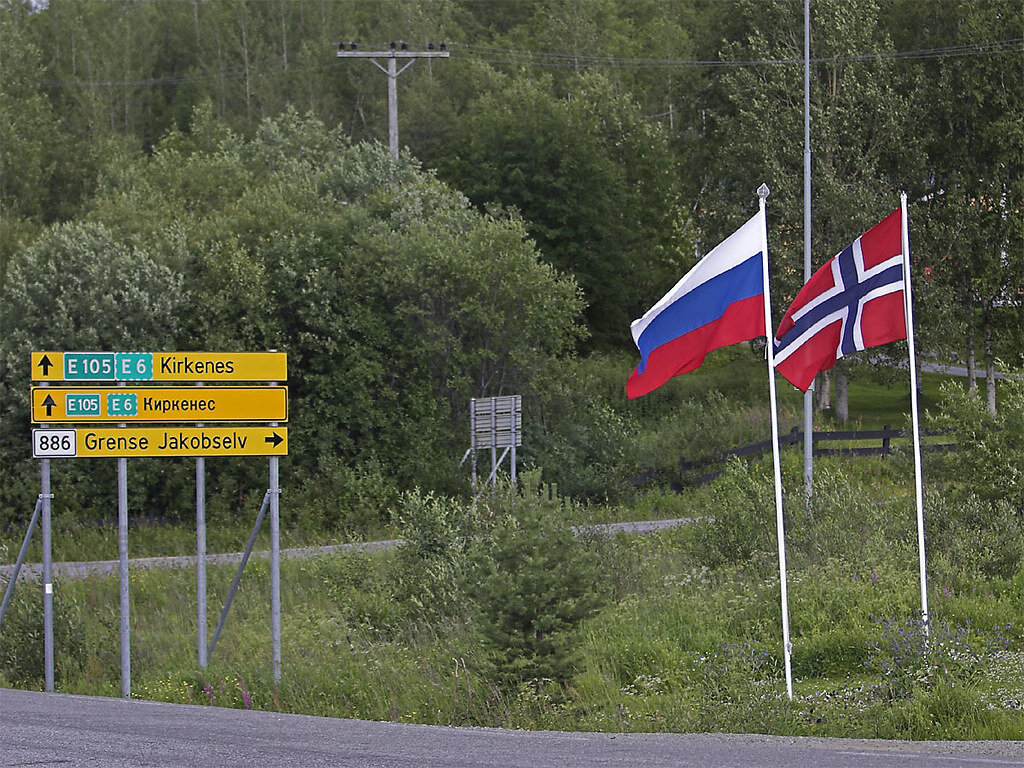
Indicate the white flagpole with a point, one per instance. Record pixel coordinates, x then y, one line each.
909 315
762 193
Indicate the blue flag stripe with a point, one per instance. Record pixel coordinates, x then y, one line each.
704 304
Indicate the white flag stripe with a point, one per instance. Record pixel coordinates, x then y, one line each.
734 250
858 332
837 277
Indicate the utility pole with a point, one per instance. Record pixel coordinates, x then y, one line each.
398 50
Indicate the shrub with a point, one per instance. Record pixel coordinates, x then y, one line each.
990 462
910 656
995 546
738 512
534 585
356 499
437 534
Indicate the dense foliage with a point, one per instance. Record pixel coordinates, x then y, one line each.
395 299
210 176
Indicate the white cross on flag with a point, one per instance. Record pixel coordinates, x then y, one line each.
853 302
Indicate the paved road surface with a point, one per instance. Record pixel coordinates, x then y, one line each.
79 570
38 729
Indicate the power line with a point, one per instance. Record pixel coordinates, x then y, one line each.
495 55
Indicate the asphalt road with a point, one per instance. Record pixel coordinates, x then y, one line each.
39 729
82 569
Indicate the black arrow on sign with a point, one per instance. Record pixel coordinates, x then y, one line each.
275 439
46 365
49 403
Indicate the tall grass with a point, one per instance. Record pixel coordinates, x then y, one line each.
686 641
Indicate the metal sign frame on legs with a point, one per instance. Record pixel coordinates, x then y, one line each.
120 368
494 422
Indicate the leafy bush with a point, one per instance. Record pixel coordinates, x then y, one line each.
737 513
990 461
994 547
437 534
358 499
850 517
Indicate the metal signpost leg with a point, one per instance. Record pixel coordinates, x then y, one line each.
201 559
122 556
47 578
238 575
494 444
514 434
122 567
275 561
201 556
472 440
21 558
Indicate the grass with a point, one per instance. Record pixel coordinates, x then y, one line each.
73 541
689 639
685 643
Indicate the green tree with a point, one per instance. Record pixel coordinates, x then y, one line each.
395 299
862 146
990 461
77 288
594 181
974 137
534 584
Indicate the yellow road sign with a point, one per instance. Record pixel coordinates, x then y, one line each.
159 366
161 404
130 442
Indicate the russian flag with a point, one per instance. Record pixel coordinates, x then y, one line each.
717 303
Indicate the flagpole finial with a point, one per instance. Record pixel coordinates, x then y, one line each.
763 191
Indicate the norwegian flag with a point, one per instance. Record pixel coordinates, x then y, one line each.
853 302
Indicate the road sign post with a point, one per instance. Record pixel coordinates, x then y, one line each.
495 422
138 397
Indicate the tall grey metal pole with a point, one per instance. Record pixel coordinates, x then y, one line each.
809 394
275 562
47 578
472 440
393 108
122 569
201 555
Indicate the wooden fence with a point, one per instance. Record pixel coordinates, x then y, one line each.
881 439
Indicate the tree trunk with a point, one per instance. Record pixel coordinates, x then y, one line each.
972 366
990 362
842 410
284 40
245 63
822 393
